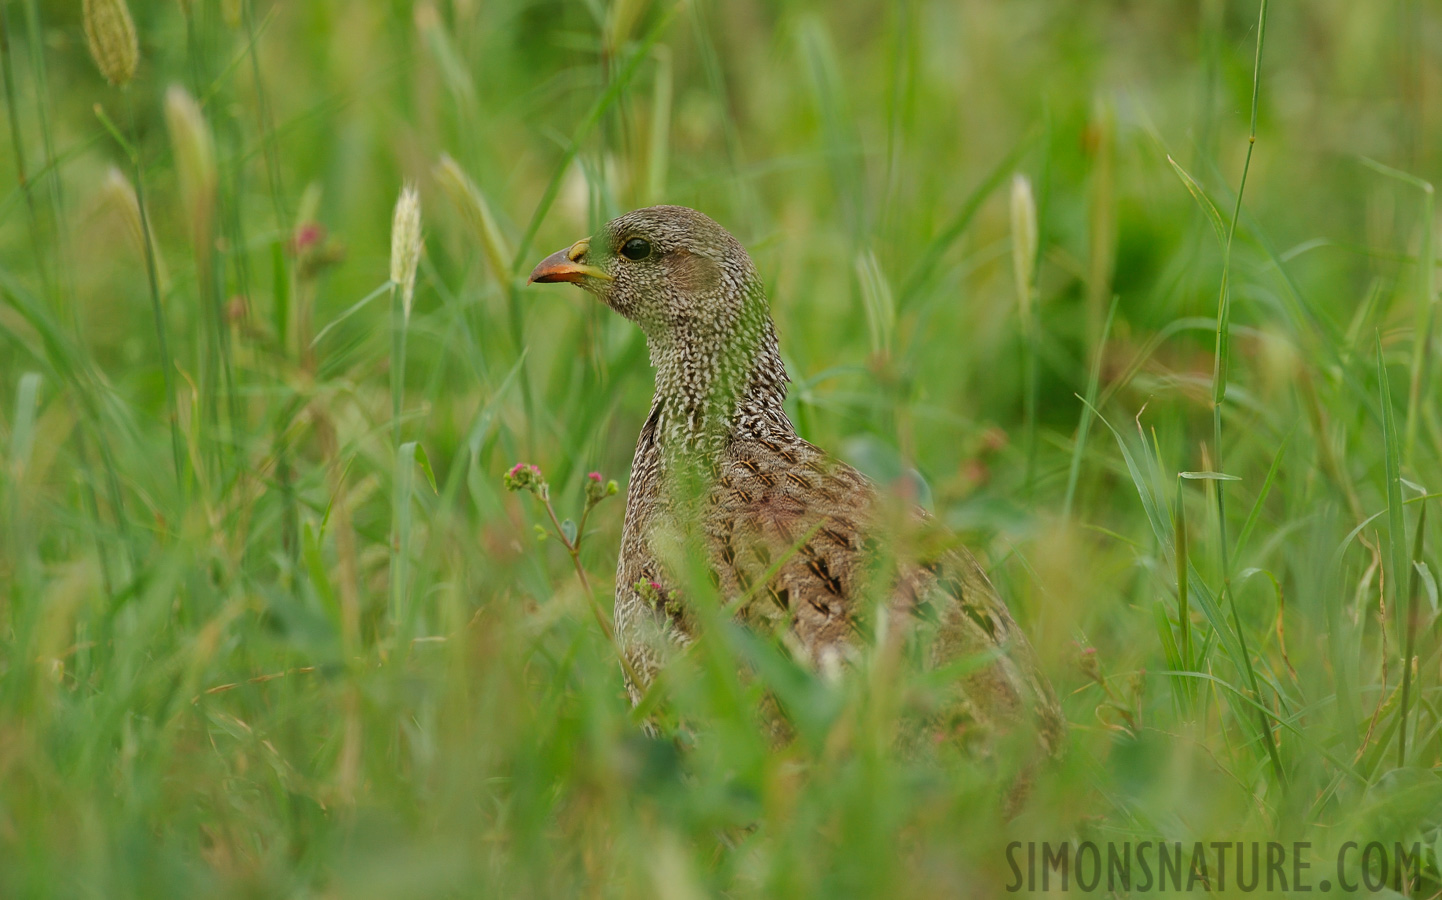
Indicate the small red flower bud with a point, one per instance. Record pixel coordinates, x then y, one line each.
307 236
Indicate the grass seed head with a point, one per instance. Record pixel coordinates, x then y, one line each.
406 244
472 205
194 149
110 33
1023 241
118 194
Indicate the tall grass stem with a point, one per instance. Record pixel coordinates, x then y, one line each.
1219 393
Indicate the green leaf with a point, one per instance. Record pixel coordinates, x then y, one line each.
1208 476
481 427
280 288
1184 623
1396 522
22 433
1429 583
931 256
1088 404
1181 687
1213 214
352 310
315 567
1139 481
1406 177
1162 529
1267 483
616 86
410 454
425 463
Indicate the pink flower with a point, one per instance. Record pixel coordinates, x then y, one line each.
594 476
523 476
307 236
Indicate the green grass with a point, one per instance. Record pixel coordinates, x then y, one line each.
271 625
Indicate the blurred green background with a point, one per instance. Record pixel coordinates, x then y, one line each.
248 649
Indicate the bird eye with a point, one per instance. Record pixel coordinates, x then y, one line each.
636 249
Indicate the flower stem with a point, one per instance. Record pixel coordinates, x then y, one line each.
574 549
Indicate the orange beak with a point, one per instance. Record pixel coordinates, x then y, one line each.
566 265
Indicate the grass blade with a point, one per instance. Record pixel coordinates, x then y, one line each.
1396 521
1256 512
22 428
1414 589
613 92
658 141
1088 408
1220 367
350 311
1214 215
1426 303
1149 502
1184 618
930 257
411 457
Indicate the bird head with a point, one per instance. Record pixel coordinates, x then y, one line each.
669 269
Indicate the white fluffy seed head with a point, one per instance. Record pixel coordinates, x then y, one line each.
110 33
406 245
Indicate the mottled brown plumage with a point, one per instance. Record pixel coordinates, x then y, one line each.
789 534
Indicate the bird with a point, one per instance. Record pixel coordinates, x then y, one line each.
791 537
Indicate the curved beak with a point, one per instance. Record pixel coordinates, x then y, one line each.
566 265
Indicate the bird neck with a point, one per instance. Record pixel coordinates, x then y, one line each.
716 382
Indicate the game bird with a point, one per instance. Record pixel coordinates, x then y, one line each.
793 540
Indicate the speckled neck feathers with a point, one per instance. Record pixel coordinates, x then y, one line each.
719 378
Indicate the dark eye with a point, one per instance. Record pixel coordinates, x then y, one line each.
636 249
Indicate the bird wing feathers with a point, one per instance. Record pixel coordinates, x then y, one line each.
784 530
790 532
